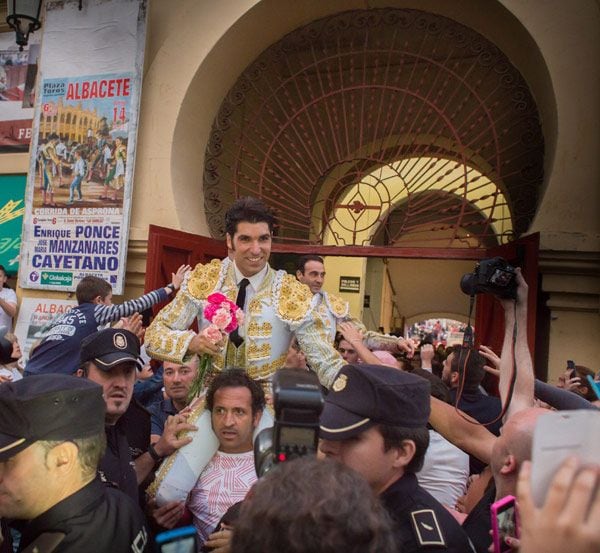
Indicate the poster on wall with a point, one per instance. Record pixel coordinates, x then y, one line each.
83 147
17 87
12 193
34 316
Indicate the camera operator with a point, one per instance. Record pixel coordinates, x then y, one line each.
505 453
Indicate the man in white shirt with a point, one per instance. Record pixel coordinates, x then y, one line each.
8 303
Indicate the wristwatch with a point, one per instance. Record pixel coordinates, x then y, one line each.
172 287
154 454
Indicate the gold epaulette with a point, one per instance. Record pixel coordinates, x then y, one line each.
339 307
203 279
294 301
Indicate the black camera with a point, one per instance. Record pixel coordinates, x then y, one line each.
298 403
493 276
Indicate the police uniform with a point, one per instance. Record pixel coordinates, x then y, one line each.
129 437
363 396
116 467
422 523
64 408
94 519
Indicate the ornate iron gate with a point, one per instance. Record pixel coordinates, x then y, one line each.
389 127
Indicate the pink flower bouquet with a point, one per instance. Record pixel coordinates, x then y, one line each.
224 317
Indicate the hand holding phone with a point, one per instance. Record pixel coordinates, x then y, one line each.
505 523
178 540
559 435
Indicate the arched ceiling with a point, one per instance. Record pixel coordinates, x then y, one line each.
334 101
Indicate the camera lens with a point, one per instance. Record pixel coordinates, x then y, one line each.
468 284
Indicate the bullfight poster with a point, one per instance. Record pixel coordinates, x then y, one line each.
80 180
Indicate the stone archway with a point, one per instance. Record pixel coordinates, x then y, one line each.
340 98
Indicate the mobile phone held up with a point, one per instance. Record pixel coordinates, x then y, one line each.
178 540
505 523
557 436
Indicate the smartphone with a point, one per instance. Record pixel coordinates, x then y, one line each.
594 385
178 540
557 436
505 523
571 367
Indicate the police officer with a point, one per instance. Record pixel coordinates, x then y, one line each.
51 438
375 421
110 358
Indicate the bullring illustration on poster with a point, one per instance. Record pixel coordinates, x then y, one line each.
81 159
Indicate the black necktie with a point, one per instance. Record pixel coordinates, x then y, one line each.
240 302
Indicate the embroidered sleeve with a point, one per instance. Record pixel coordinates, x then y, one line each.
374 340
168 337
313 339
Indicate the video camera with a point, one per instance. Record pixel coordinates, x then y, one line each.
298 404
493 276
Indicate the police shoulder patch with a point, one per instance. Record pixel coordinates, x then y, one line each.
427 528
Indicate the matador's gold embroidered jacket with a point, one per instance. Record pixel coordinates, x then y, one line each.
281 308
333 310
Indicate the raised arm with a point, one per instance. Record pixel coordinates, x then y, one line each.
561 399
109 313
515 312
471 437
353 335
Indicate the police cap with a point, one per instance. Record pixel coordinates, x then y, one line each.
365 395
48 407
109 347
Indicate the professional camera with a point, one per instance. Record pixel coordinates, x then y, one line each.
298 404
494 276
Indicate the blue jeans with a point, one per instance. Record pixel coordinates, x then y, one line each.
76 184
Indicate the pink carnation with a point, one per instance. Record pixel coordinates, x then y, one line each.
216 298
239 315
210 310
213 333
223 313
222 318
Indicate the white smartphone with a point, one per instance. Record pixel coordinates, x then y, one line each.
559 435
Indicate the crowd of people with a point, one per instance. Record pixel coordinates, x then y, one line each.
115 433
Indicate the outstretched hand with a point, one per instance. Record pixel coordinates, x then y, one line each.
177 278
133 324
493 360
406 345
350 332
